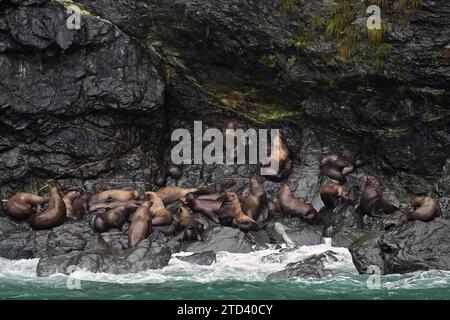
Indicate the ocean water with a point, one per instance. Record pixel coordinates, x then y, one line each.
233 276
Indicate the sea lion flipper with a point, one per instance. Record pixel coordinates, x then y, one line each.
387 207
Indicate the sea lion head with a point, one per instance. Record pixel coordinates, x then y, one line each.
100 225
374 181
72 195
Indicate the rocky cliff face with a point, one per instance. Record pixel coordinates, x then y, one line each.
94 108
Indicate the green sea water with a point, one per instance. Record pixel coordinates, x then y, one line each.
233 277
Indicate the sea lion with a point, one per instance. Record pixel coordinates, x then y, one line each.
208 207
372 202
141 225
230 214
171 194
331 195
114 195
253 204
20 205
114 205
160 215
425 209
292 206
55 214
161 178
69 200
190 228
336 167
274 211
81 205
174 171
168 230
280 155
360 160
114 218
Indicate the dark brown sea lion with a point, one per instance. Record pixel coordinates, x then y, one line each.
190 228
336 167
55 214
230 214
174 171
114 218
171 194
20 205
360 160
160 215
426 209
292 206
332 195
280 156
141 225
114 195
69 200
372 202
207 207
81 205
169 230
274 212
161 178
256 199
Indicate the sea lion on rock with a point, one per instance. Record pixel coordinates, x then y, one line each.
230 214
20 205
292 206
425 209
208 207
81 205
280 155
190 228
171 194
336 167
274 212
372 202
253 204
141 225
114 218
114 205
331 195
161 178
114 195
160 215
54 216
174 171
69 200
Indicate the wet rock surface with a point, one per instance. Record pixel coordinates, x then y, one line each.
206 258
311 267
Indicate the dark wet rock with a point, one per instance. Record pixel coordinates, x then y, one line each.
299 232
146 255
311 267
202 258
7 225
23 244
393 220
260 238
221 239
407 247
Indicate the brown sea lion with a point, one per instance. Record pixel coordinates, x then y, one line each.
360 160
171 194
425 209
69 200
372 202
161 178
81 205
331 195
174 171
274 212
256 199
190 228
114 218
114 195
230 214
55 214
160 215
280 155
141 225
292 206
208 207
20 205
336 167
